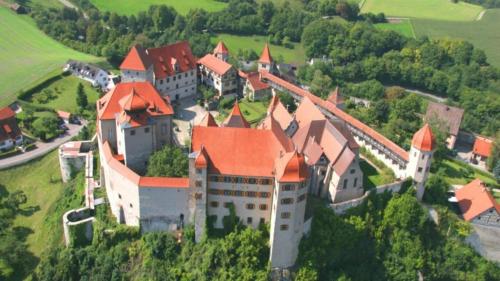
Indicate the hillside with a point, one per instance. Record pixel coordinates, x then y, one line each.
27 54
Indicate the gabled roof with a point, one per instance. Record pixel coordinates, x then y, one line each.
6 113
136 59
423 139
221 48
8 124
133 102
449 115
162 59
216 65
335 97
265 56
482 146
291 167
63 114
201 160
235 118
255 82
109 105
474 199
208 121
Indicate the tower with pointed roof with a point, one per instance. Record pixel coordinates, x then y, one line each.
422 148
266 60
197 202
235 118
221 52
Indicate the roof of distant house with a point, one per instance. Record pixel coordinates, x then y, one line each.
132 96
423 139
216 65
474 199
221 48
6 113
235 118
265 56
255 82
335 97
167 60
482 146
449 115
63 114
8 124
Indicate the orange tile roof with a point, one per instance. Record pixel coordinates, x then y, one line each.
338 113
137 59
8 124
216 65
221 48
255 82
266 57
163 182
109 105
6 113
291 168
335 97
208 121
482 146
474 199
239 151
423 139
133 102
201 160
63 114
235 118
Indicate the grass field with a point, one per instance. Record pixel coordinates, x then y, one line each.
454 174
253 112
424 9
65 89
129 7
484 34
404 27
27 54
256 43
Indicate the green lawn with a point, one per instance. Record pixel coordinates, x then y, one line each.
455 174
404 27
253 112
372 177
129 7
256 43
484 34
27 54
65 90
424 9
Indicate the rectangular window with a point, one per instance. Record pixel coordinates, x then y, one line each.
198 196
227 192
250 206
168 79
420 169
252 180
252 194
238 193
131 206
345 184
287 187
284 227
355 182
146 130
262 221
161 81
263 207
132 132
249 220
197 183
214 204
198 171
353 171
264 194
301 198
423 156
287 201
119 196
285 215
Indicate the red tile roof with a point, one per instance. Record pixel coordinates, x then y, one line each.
201 160
221 48
291 168
255 82
266 57
8 124
338 113
163 59
335 97
163 182
63 114
208 121
109 105
216 65
6 113
235 118
239 151
133 102
137 59
482 146
474 199
423 139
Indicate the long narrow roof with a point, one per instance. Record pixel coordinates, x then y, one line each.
474 199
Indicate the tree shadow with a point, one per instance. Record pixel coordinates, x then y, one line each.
30 261
29 211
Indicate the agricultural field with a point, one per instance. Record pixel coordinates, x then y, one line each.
27 54
129 7
484 34
424 9
256 43
63 92
403 26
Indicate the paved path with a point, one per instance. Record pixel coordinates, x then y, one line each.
72 6
480 16
485 240
420 93
42 148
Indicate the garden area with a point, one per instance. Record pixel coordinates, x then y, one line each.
375 172
253 111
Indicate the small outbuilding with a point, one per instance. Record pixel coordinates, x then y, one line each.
447 116
19 9
477 204
482 149
65 116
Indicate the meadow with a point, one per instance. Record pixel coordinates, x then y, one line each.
404 27
27 54
129 7
424 9
256 43
484 34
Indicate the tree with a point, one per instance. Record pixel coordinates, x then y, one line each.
170 161
81 97
436 189
321 84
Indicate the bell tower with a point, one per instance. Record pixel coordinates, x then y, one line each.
422 148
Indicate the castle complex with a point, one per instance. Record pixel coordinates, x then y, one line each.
265 173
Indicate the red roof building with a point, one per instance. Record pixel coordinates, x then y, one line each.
477 202
9 130
235 118
482 147
221 49
216 65
423 139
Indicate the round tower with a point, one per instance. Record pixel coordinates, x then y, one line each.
422 148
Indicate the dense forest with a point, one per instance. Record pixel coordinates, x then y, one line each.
485 3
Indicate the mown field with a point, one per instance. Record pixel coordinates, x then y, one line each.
424 9
27 54
404 27
256 43
129 7
484 34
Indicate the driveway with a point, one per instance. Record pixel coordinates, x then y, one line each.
187 114
42 148
485 240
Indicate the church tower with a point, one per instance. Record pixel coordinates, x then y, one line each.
422 148
221 52
266 60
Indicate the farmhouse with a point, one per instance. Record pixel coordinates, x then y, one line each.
448 118
171 69
10 134
98 77
254 88
481 150
478 204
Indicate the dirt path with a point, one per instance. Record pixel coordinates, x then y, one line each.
480 16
